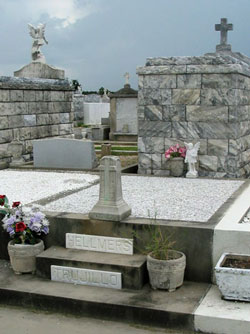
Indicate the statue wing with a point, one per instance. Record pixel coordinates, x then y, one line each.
41 29
197 147
32 30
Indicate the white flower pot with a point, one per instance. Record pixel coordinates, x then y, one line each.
167 274
23 257
233 283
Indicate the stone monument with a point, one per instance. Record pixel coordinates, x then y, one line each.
38 68
191 99
111 205
123 113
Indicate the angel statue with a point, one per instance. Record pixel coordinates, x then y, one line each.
191 158
38 41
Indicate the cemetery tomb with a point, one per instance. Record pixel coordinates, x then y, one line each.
196 99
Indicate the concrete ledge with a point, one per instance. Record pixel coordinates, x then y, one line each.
215 315
146 306
39 70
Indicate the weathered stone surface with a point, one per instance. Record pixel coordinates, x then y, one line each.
57 96
16 95
16 121
64 118
174 113
7 109
209 163
153 112
154 129
156 161
171 69
29 95
213 130
186 96
216 81
162 81
210 103
227 68
161 172
4 95
65 129
217 147
4 124
239 113
141 113
151 144
224 97
145 161
5 136
188 81
206 113
29 120
154 97
39 70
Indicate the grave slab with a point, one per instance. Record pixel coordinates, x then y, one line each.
99 243
64 153
132 268
71 275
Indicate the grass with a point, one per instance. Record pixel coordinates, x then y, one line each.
120 148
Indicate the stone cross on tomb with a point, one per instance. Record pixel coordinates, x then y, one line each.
223 27
126 76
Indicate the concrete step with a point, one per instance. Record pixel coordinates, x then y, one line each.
146 306
132 267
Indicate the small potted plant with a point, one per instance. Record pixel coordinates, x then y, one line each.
25 226
176 154
166 266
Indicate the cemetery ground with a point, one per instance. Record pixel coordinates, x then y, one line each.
204 214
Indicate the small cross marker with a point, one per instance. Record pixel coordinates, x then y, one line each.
126 76
223 27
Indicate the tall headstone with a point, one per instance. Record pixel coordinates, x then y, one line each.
111 205
196 99
123 113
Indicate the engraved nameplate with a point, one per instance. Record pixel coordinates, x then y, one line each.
98 243
105 279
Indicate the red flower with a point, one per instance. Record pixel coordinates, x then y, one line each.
2 199
20 227
15 204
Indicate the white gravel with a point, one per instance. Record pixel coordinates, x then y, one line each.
29 186
168 198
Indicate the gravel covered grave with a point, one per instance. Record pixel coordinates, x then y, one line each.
167 198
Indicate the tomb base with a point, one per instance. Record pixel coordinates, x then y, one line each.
110 212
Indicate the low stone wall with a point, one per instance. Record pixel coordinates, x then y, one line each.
191 99
33 109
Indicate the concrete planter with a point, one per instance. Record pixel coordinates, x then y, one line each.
23 257
166 274
176 166
233 283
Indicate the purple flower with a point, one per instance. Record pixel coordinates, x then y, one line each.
45 229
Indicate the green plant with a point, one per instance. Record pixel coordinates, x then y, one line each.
154 241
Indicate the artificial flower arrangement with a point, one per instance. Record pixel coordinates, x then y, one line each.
175 151
24 225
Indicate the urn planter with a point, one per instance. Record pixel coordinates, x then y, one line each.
232 274
176 166
167 274
23 257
